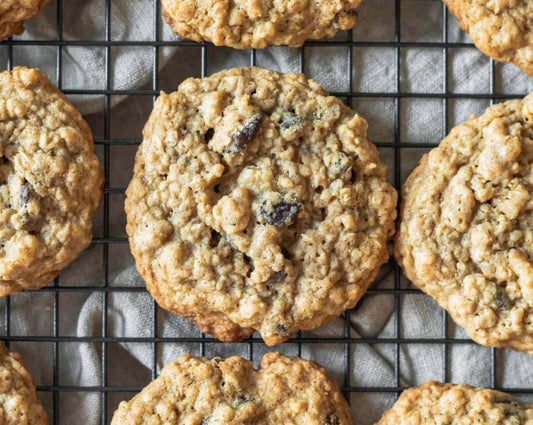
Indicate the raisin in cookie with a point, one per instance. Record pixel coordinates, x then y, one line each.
257 203
50 181
18 399
466 229
243 23
502 29
198 391
434 403
13 13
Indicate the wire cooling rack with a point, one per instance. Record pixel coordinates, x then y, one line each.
398 291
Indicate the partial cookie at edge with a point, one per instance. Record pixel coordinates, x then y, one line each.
246 25
18 399
465 234
13 14
50 181
503 29
195 390
434 403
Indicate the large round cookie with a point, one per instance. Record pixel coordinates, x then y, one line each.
50 181
257 204
502 29
434 403
466 229
13 13
198 391
243 24
18 399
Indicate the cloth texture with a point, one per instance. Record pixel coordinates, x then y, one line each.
130 314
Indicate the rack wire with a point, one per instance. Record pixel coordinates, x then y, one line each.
398 290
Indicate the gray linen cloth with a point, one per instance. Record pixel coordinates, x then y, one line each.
130 314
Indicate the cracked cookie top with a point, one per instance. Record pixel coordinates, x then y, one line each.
197 391
258 23
50 181
18 399
502 29
466 230
434 403
13 13
257 203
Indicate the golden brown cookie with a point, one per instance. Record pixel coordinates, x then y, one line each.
434 403
18 399
13 13
198 391
502 29
253 23
257 203
466 227
50 181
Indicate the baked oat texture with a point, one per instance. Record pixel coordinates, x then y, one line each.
466 227
244 24
502 29
434 403
197 391
13 13
19 404
50 181
257 204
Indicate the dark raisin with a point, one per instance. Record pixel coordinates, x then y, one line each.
290 120
250 263
3 160
510 415
286 254
332 419
501 299
242 138
216 188
240 400
277 276
25 194
209 135
215 238
280 212
282 328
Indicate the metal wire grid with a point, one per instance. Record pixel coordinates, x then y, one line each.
347 341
